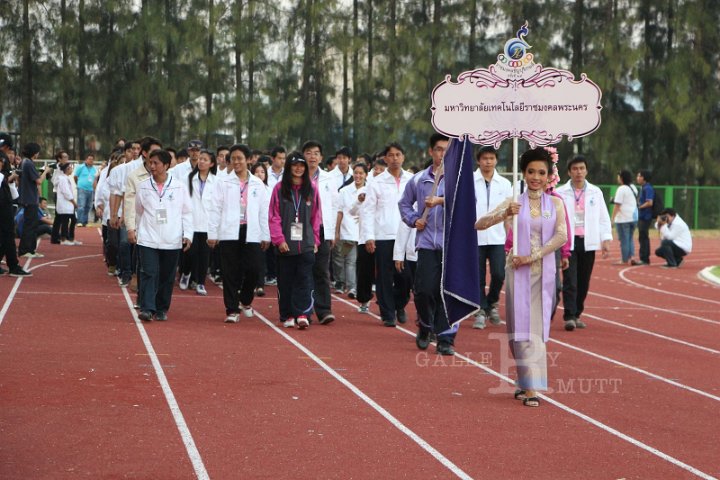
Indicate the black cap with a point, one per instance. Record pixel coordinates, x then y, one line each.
195 144
296 158
344 151
6 140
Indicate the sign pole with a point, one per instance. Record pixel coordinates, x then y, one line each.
516 193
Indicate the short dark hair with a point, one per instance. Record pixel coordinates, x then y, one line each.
625 177
242 147
221 148
360 165
149 142
538 154
394 145
646 174
128 146
669 211
577 159
30 149
437 137
277 149
59 154
42 199
311 144
162 155
486 149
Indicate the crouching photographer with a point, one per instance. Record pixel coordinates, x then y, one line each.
676 240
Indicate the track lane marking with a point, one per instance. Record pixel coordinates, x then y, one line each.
457 471
180 423
621 274
572 411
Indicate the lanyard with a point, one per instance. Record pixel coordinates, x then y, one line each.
164 190
296 203
578 197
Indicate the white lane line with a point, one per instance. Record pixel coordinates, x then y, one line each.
664 292
457 471
87 294
64 260
572 411
11 297
648 332
182 427
659 309
638 370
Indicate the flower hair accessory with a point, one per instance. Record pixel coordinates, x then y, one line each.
554 176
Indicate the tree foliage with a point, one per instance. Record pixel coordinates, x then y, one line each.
353 72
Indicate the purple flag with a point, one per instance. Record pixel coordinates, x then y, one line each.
460 282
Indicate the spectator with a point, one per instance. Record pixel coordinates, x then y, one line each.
675 238
8 193
347 231
85 178
30 181
645 215
64 224
624 215
46 221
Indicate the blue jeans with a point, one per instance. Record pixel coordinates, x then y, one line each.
625 234
157 272
84 204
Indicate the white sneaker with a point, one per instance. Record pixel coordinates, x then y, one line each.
38 255
289 323
77 242
200 290
247 311
232 318
303 322
479 320
184 281
494 315
67 242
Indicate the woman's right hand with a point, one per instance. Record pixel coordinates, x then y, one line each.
513 209
283 247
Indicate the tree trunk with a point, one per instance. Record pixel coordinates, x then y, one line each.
434 44
238 71
392 30
577 50
64 127
344 116
472 38
355 75
80 112
210 65
369 90
26 121
251 72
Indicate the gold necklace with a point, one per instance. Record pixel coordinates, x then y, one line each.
534 196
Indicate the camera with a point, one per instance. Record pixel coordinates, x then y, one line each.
664 218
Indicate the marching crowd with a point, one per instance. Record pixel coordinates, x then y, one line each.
360 226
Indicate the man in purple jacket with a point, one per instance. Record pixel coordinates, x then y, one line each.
417 197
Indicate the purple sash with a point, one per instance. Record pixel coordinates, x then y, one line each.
521 291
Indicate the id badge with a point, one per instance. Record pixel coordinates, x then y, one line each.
296 231
161 216
579 219
242 212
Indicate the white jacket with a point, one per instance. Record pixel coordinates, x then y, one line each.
380 214
597 219
678 233
348 204
500 189
224 218
176 203
202 205
325 183
65 197
404 247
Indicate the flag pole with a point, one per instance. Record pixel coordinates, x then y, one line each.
516 193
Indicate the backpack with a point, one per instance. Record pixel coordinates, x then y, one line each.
658 205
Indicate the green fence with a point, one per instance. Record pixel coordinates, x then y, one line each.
698 206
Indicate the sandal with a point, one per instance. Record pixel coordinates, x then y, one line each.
531 402
520 394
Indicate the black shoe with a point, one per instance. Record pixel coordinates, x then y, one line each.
161 316
19 272
260 292
679 262
329 318
422 339
2 271
145 316
401 316
389 323
445 349
125 280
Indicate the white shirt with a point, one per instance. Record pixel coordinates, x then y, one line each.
65 196
273 178
166 234
325 184
380 214
224 218
678 233
626 199
340 178
597 219
486 199
348 203
202 200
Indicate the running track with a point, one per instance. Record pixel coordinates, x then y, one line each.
87 391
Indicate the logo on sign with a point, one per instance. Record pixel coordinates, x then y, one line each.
516 55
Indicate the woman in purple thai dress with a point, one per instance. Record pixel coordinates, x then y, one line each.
530 275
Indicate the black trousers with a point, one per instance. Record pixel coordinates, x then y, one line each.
576 280
672 254
197 258
64 226
365 274
428 297
7 237
392 287
28 240
495 256
321 278
240 263
294 281
644 240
